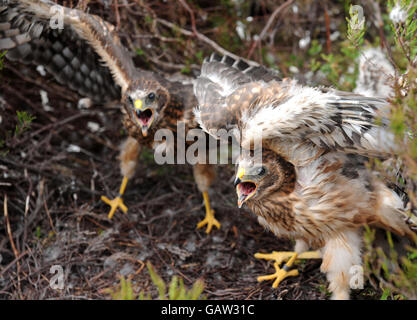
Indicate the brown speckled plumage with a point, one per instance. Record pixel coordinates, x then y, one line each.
307 186
324 207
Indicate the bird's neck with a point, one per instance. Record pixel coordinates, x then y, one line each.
275 212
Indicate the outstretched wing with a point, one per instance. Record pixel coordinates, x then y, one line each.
328 118
83 52
220 77
289 112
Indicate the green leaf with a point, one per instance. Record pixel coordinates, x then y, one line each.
157 280
385 294
196 290
173 289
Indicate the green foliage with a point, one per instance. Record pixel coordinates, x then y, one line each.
397 275
148 19
186 69
3 150
340 66
38 233
324 290
355 26
405 31
200 56
140 52
24 120
2 55
157 281
124 292
147 157
176 289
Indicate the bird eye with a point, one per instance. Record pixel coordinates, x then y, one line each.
129 98
261 171
151 96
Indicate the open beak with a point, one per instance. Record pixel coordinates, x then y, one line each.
244 189
143 117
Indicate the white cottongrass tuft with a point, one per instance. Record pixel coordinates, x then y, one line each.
240 30
398 14
41 69
304 42
45 101
73 148
84 103
93 126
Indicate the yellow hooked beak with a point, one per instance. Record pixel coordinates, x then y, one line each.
243 195
241 173
144 117
239 176
138 104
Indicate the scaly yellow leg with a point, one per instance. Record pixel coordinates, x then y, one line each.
118 201
279 257
209 219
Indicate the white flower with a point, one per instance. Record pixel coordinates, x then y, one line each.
295 9
45 101
304 42
93 126
398 14
73 148
240 30
334 36
41 70
294 69
84 103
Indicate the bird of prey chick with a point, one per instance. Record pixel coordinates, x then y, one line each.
86 54
310 183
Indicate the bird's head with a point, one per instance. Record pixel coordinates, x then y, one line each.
258 180
145 101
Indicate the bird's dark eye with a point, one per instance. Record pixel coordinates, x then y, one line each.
261 171
151 96
129 98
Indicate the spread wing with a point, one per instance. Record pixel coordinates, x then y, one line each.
83 52
220 77
328 118
285 111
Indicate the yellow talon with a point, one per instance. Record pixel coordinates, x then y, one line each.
209 219
282 256
279 257
118 201
114 204
279 275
